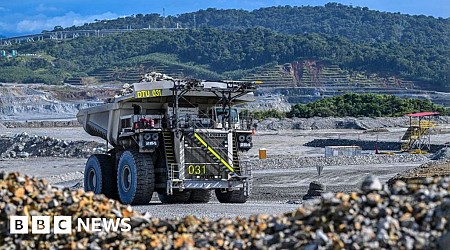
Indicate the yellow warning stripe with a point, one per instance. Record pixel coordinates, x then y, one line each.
213 152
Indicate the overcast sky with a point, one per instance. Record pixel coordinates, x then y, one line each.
18 17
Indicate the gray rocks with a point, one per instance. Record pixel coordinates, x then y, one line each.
442 154
330 123
409 216
371 183
41 124
23 154
24 146
424 172
316 189
444 241
363 123
268 103
306 162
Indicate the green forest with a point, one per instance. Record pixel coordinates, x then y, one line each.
356 105
355 23
226 44
364 105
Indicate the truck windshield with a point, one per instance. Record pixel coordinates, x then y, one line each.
221 113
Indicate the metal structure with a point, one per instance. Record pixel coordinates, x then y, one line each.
180 138
70 34
342 151
417 136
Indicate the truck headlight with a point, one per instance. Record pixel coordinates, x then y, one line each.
147 137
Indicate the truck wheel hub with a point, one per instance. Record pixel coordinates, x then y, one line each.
92 180
126 178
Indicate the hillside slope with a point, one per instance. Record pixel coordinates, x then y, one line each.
356 23
300 46
230 54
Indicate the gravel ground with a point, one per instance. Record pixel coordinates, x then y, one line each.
289 185
282 179
215 210
44 166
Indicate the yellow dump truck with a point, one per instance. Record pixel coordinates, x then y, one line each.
179 138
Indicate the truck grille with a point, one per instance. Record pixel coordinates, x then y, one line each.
204 163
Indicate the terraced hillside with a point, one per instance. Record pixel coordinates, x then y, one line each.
306 73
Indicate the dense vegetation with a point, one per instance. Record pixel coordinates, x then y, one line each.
367 105
225 54
356 39
264 114
355 23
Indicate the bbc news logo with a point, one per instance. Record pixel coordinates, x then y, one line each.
63 224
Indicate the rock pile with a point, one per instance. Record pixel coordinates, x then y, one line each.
410 216
23 146
314 161
315 190
365 145
22 195
429 169
371 183
40 124
362 123
268 103
442 154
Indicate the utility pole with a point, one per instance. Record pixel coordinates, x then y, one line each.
195 23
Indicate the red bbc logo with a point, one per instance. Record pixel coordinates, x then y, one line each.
40 224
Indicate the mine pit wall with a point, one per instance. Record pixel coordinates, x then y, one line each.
40 124
308 94
365 145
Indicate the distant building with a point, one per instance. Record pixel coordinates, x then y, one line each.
342 150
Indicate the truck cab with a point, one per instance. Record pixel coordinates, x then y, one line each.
222 117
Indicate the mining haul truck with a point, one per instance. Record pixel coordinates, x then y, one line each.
179 138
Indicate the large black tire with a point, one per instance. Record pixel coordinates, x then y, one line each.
176 197
235 196
99 176
200 196
135 177
161 174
